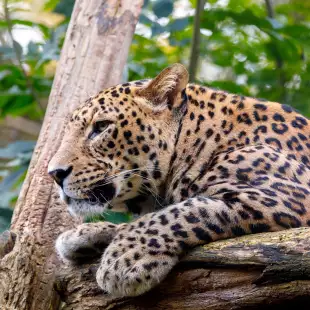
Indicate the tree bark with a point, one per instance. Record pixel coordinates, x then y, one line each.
265 271
93 57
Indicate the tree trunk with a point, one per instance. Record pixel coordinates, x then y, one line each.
93 57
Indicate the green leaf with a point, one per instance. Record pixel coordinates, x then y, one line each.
163 8
275 23
229 86
212 18
113 217
179 24
12 179
50 5
16 103
7 52
33 49
15 148
157 29
146 3
18 47
5 218
175 42
65 7
298 32
43 28
144 19
137 68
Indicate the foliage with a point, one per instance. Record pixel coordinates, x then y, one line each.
26 75
114 217
244 49
13 171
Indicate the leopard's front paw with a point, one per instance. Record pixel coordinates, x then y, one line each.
133 269
86 241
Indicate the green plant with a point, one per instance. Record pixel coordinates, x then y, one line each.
26 75
14 161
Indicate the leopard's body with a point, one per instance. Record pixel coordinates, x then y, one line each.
226 165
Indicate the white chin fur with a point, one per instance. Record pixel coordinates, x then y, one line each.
82 208
77 207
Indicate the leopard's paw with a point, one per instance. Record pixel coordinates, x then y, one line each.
134 272
86 241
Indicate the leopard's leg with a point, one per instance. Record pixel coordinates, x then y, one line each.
86 241
143 252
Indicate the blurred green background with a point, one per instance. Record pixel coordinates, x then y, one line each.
257 48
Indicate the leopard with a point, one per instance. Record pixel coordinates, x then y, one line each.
224 166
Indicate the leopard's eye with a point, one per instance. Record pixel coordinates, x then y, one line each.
99 127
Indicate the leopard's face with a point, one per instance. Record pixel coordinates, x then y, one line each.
116 146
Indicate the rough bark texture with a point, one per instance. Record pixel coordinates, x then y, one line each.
93 57
265 271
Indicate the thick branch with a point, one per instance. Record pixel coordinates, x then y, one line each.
265 270
23 124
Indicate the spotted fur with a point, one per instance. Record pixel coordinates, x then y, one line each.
224 165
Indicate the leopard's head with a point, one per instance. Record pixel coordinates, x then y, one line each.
119 144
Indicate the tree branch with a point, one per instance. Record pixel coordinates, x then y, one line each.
23 124
278 58
269 8
262 271
194 57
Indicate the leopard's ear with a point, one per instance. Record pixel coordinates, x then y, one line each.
166 88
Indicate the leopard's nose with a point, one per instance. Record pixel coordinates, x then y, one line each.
59 175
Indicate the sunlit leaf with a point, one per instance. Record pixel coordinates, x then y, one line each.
49 19
50 5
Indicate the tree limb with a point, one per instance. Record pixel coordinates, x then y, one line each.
269 8
278 58
266 271
194 57
23 124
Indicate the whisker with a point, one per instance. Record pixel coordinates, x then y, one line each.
98 201
133 170
154 193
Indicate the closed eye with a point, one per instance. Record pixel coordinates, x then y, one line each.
98 128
